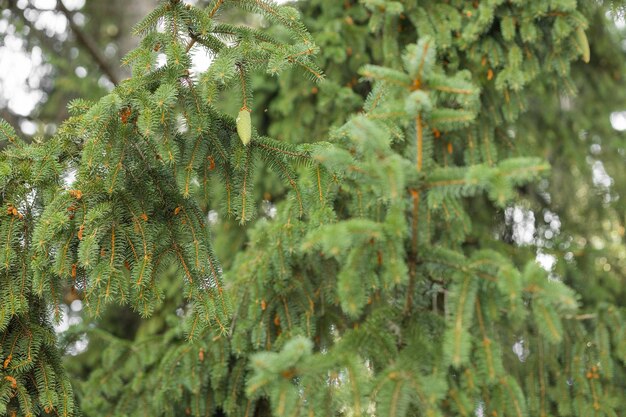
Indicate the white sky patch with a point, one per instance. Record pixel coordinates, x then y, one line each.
79 19
71 317
200 60
51 22
553 220
52 4
45 4
213 217
618 120
595 148
105 83
546 261
520 350
161 60
76 306
522 222
81 72
74 4
69 178
16 68
79 346
28 127
269 209
600 177
110 50
21 72
620 22
64 323
4 25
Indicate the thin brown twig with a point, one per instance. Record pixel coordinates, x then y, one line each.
214 10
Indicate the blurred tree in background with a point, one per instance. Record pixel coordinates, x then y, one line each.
439 222
77 59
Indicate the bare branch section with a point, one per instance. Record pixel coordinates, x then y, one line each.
88 44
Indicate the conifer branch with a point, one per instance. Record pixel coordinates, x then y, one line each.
215 8
486 342
244 187
275 146
292 182
419 142
415 196
420 70
194 37
319 184
242 80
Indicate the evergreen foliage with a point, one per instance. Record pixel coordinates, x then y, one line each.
372 284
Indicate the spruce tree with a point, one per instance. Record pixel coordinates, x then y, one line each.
316 224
